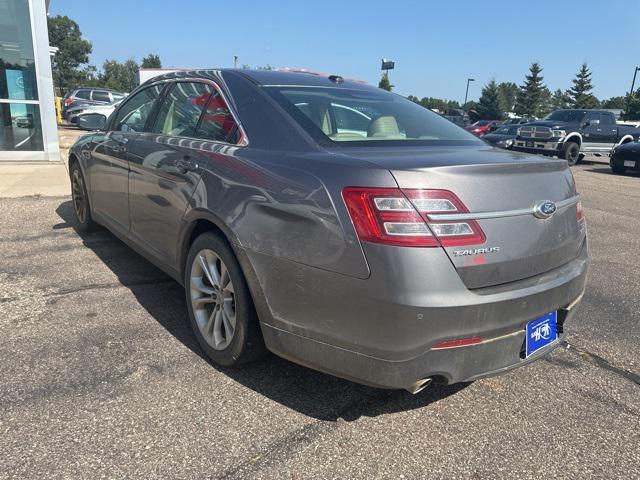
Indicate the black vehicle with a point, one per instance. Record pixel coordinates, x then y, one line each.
503 136
625 157
457 116
570 134
89 96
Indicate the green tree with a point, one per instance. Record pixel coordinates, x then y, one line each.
560 100
385 84
508 92
73 52
531 93
632 106
119 76
614 102
489 103
581 96
151 61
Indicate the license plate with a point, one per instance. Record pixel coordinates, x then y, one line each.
629 163
541 332
529 144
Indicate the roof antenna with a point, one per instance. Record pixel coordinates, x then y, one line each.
336 78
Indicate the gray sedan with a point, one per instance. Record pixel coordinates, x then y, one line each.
337 225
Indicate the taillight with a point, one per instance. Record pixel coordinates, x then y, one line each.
402 217
68 101
579 212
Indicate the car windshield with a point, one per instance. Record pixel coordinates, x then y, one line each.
571 116
358 116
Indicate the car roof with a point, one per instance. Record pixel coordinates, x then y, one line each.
270 77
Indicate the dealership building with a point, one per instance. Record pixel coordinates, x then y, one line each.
28 129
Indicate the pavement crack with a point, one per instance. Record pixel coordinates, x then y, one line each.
292 443
603 363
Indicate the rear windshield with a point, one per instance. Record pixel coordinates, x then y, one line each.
361 117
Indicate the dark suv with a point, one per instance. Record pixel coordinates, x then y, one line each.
89 96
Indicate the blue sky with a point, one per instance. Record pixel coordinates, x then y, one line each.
436 45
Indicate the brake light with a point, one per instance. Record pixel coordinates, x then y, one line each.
68 101
579 212
402 217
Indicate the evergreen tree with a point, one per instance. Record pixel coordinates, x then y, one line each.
508 92
530 95
385 84
581 96
489 104
560 100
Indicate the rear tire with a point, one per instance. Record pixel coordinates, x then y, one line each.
221 310
80 200
571 153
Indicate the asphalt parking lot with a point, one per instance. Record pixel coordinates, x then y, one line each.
101 377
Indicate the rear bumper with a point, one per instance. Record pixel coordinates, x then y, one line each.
380 331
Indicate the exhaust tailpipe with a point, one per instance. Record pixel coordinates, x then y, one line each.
418 385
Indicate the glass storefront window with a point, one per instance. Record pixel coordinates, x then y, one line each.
20 128
19 115
17 61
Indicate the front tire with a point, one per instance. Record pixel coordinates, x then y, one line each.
80 200
617 169
221 309
571 153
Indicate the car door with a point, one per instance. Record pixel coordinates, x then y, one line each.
107 168
609 129
592 135
164 169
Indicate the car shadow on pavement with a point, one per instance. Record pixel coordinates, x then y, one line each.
306 391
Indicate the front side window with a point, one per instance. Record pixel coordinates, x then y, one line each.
358 116
607 119
217 122
181 109
133 115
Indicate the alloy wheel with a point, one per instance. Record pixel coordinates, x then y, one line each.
78 195
213 299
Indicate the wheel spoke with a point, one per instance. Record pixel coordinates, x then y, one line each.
201 301
208 329
228 326
210 270
218 338
198 284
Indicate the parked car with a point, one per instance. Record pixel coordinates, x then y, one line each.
625 157
503 136
338 225
75 112
25 122
481 127
517 121
570 134
457 116
89 96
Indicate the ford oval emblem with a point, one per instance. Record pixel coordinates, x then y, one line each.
544 209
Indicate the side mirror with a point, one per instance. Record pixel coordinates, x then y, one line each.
92 121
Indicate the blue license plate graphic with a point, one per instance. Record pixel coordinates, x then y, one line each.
541 332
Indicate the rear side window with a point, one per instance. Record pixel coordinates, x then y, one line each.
133 115
217 123
362 116
181 109
101 96
607 119
83 94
